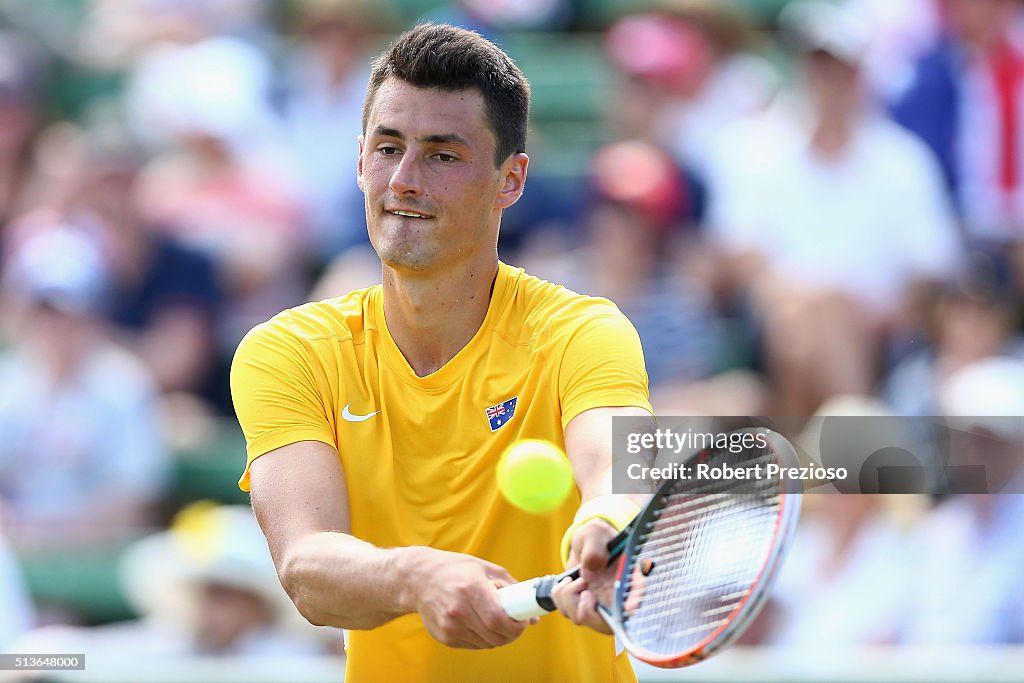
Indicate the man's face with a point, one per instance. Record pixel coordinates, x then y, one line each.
426 168
227 614
832 83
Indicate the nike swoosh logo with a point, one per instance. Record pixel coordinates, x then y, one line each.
352 417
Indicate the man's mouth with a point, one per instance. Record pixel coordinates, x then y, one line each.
408 214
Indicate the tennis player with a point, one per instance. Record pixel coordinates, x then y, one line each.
374 421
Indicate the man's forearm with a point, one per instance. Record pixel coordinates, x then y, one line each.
338 580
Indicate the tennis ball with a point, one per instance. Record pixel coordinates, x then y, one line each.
535 475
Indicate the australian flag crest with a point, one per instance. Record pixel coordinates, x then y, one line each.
500 414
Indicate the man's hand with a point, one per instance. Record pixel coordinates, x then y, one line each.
456 596
578 599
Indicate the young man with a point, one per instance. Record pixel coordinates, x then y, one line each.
374 421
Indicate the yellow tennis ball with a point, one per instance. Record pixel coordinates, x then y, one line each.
535 475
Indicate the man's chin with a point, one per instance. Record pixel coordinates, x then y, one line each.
411 260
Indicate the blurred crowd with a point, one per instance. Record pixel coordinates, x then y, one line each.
817 201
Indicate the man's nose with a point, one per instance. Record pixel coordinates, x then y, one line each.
406 177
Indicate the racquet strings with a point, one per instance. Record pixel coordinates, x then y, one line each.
697 561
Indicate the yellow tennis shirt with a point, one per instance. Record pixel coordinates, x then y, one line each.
419 453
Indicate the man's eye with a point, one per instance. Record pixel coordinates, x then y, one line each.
388 150
445 157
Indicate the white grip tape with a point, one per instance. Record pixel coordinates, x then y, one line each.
520 600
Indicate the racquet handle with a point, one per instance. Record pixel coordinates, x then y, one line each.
532 598
529 599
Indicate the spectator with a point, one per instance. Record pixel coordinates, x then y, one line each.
842 583
651 53
964 101
165 296
81 459
975 540
639 203
849 557
217 186
827 219
205 587
973 317
689 74
322 97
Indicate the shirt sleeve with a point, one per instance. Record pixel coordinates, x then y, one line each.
924 219
277 396
603 366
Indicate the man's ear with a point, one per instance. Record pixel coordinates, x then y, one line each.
513 181
359 165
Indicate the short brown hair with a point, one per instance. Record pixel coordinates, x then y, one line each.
452 58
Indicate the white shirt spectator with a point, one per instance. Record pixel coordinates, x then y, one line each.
853 604
967 588
67 448
867 223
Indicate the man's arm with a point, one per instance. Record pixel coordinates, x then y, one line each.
300 498
588 443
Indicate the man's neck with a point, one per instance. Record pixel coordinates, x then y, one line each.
432 317
833 132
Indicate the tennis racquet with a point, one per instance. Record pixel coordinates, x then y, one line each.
695 565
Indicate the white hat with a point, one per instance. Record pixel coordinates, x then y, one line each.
62 267
815 25
987 394
206 544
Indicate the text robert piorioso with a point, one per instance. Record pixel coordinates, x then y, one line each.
724 471
670 440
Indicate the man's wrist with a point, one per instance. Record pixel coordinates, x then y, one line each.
406 564
617 510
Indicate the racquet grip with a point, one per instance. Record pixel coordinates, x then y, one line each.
528 599
532 598
520 600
